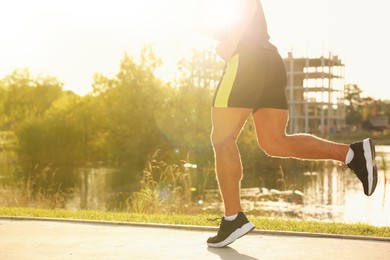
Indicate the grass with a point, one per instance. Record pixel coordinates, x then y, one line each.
202 220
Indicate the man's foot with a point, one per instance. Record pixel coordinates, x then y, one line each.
229 231
363 164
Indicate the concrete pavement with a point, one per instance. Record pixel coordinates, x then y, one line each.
52 239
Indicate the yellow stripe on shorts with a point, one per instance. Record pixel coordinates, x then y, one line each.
222 98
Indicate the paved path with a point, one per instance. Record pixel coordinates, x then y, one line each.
42 239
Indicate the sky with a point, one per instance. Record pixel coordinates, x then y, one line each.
75 39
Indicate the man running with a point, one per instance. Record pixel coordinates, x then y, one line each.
253 84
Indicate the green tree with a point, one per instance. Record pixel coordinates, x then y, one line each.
54 138
27 97
354 105
128 103
184 118
203 69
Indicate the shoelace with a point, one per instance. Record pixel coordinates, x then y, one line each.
344 167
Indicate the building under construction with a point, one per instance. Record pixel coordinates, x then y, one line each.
315 94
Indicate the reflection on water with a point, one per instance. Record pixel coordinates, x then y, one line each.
374 209
339 195
324 194
92 189
333 195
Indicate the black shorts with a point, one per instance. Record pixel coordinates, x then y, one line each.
253 79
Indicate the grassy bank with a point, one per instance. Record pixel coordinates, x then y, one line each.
203 220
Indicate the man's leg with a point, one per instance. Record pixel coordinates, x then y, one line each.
271 133
272 138
227 124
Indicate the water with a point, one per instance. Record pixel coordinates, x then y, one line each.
91 189
337 196
375 209
330 195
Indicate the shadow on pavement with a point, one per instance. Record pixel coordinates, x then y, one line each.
229 253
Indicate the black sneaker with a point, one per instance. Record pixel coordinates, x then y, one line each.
363 164
229 231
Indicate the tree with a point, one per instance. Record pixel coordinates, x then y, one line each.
354 105
128 103
184 118
203 69
27 97
383 107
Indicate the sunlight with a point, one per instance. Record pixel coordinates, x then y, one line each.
49 36
217 17
222 13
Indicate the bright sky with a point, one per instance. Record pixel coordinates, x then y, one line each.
74 39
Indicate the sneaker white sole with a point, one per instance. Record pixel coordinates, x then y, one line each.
370 157
234 236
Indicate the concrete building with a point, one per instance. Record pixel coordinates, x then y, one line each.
315 94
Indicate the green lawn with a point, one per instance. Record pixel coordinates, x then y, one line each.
203 220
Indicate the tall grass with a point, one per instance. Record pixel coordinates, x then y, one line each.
38 189
165 188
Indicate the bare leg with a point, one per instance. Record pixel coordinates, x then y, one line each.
272 138
227 125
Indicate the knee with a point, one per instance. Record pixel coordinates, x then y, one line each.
220 141
272 145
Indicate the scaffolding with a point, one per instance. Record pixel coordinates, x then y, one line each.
315 94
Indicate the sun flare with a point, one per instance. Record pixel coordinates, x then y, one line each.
222 13
74 39
217 17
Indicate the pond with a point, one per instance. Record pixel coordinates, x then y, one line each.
334 195
330 195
